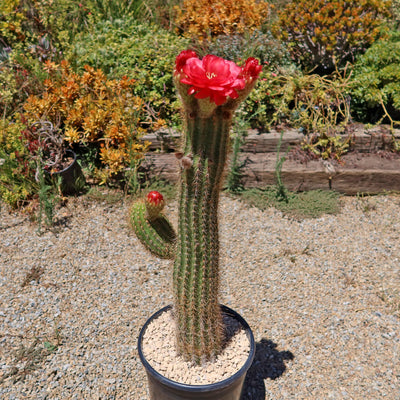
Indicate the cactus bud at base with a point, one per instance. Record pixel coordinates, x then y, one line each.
154 204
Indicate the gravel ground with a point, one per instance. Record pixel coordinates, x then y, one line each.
321 295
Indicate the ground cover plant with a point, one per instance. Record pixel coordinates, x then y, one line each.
310 204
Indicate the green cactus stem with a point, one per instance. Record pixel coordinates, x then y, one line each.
196 269
210 89
156 233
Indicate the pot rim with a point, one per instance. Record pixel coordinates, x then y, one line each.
71 153
207 387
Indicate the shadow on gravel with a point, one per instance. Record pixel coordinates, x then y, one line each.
268 363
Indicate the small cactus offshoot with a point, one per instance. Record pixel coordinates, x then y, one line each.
151 226
211 89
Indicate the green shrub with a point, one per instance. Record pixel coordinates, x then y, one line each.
17 169
260 103
161 12
8 87
21 75
24 23
325 34
115 9
318 106
143 52
312 103
17 22
63 19
376 81
258 44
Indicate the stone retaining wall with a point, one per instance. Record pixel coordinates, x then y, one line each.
369 168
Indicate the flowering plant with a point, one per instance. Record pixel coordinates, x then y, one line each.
211 89
214 77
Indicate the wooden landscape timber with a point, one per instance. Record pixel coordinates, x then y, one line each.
369 168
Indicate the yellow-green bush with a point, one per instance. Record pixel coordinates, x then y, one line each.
317 106
26 21
17 169
12 21
376 82
323 34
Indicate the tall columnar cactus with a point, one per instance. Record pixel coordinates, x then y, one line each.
211 89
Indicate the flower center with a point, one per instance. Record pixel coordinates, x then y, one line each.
210 75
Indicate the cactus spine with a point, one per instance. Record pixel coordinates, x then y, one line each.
218 87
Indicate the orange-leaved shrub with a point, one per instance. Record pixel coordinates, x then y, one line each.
325 34
93 111
205 19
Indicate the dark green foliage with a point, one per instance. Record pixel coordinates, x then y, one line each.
376 81
258 44
140 51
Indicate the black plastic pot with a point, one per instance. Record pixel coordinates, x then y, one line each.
72 178
162 388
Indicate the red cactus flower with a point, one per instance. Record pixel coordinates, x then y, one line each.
182 58
211 77
214 77
251 69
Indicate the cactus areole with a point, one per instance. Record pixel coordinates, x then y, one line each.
211 89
